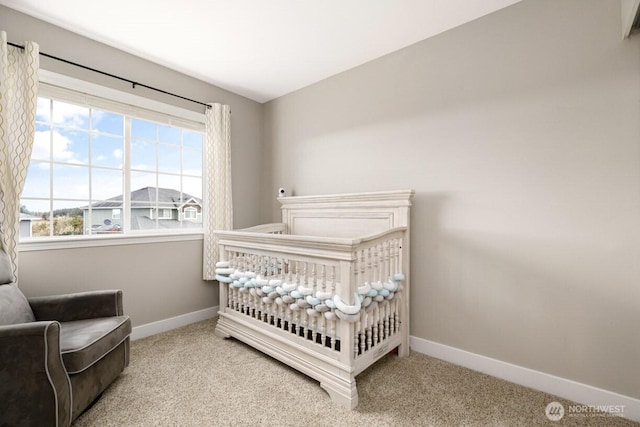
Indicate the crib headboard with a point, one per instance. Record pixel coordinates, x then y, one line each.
346 215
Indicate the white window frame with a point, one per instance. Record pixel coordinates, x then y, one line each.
125 103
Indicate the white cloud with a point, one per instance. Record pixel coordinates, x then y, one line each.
41 145
62 148
69 114
61 151
44 110
117 153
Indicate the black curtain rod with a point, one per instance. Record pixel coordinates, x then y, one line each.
104 73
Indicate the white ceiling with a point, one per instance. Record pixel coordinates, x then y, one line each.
261 49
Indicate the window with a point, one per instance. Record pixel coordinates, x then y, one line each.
163 213
190 213
99 167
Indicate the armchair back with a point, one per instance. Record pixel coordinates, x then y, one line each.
14 307
5 268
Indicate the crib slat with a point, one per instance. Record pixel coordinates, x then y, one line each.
375 338
386 320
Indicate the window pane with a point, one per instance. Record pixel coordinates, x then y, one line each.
143 155
106 122
38 183
169 134
39 228
192 162
70 146
141 217
141 180
43 110
106 151
68 218
168 216
144 129
169 188
143 202
103 221
192 187
168 158
70 115
192 139
34 216
70 182
42 143
38 208
106 184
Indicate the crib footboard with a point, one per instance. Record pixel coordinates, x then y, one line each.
328 307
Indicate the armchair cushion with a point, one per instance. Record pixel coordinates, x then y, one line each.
14 307
84 342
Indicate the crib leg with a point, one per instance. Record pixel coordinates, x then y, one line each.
219 331
221 334
403 350
343 393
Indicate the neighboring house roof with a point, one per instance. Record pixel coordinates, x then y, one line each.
146 197
190 201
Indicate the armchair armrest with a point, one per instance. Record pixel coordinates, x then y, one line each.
35 385
78 306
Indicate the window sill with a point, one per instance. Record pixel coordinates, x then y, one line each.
46 244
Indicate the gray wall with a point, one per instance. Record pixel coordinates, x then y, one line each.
159 280
520 134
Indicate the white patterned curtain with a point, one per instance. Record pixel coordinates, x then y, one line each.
217 188
18 100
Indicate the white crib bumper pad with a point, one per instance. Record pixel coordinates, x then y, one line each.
276 290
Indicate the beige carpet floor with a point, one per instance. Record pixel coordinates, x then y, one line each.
190 377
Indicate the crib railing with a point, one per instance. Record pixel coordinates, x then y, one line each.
273 228
339 296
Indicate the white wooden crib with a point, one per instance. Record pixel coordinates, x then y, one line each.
327 290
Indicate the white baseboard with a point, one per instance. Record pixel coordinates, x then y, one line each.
165 325
568 389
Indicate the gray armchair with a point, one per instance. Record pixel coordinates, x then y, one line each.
57 353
